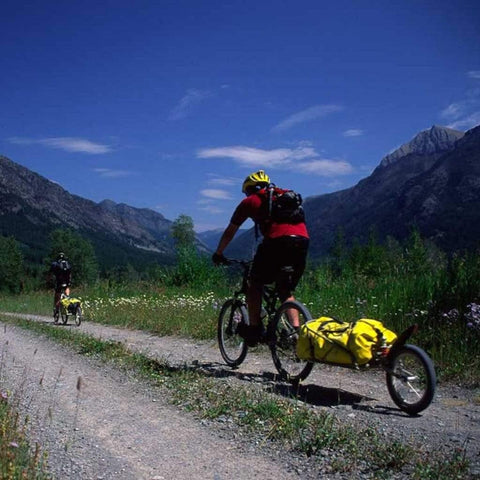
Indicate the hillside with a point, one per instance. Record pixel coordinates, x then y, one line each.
373 203
31 206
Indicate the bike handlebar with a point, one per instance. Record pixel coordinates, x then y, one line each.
233 261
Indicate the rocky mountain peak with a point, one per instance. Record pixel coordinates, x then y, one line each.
108 204
434 140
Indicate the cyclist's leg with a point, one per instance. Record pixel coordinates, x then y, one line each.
254 301
292 257
56 298
258 278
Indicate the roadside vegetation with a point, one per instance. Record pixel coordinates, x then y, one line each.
399 284
18 459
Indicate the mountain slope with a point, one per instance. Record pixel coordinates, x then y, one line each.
444 202
210 238
427 142
388 200
32 206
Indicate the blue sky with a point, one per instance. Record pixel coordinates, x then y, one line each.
168 105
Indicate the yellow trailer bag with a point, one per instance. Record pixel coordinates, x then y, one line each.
329 340
325 339
366 336
70 304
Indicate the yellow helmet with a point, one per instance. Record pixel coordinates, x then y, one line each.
256 179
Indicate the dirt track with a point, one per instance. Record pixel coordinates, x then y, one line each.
118 427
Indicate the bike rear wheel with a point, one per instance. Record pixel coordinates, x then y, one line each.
411 379
232 346
283 345
78 316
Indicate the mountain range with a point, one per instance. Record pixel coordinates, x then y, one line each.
431 183
31 206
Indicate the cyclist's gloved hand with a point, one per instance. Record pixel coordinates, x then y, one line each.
218 259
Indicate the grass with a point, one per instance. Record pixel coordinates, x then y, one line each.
334 446
18 459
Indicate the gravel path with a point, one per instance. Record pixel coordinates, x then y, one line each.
115 427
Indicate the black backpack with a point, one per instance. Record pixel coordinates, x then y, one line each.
282 206
64 266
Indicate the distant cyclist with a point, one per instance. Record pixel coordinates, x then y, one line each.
285 243
62 271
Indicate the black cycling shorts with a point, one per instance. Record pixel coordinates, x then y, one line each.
59 287
273 255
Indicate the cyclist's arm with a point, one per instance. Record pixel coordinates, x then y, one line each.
226 238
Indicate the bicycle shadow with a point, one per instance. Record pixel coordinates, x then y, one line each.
315 395
308 393
318 395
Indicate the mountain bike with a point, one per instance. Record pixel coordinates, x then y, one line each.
410 374
278 320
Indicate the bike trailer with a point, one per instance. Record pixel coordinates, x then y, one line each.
329 340
70 304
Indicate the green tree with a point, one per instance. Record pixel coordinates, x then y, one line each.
11 265
192 268
369 259
416 254
339 253
182 232
79 252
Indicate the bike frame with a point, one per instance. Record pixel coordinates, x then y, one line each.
269 296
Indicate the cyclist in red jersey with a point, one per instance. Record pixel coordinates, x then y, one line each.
284 244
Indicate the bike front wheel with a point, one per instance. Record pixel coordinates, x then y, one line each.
411 379
283 344
232 346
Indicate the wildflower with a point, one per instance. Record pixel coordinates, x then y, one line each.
4 396
472 316
451 316
13 444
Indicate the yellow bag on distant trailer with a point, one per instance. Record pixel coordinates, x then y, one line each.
70 304
329 340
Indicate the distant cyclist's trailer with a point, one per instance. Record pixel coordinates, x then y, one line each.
69 307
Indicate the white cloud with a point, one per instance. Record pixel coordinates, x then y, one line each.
249 156
467 122
20 141
221 181
109 173
325 168
312 113
212 209
69 144
353 132
454 110
192 98
465 114
216 194
303 159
